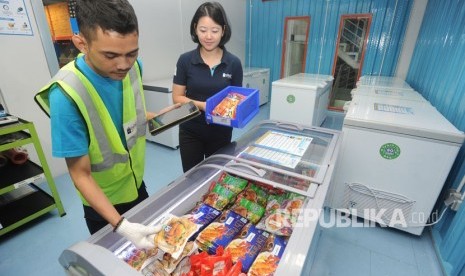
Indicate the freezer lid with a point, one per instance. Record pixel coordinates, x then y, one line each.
305 81
408 117
383 81
388 92
292 149
162 85
254 70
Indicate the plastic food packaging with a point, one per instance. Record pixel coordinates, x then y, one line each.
246 245
174 235
267 260
227 107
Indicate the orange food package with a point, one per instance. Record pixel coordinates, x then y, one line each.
227 107
268 259
246 245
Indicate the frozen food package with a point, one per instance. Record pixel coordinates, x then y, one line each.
202 215
235 184
169 264
278 222
246 245
267 261
219 197
220 232
255 194
248 209
174 235
138 258
227 107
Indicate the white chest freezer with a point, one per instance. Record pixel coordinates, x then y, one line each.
301 98
383 82
384 92
158 95
395 157
258 78
307 158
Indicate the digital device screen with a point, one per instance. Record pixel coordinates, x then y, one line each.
173 117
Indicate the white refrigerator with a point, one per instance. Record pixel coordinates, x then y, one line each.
158 95
301 98
394 159
258 78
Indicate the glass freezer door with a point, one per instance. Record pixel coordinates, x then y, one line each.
292 150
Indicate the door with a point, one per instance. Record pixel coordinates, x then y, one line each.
348 59
295 43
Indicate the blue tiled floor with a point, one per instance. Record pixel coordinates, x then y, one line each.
34 249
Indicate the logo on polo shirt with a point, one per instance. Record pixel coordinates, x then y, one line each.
229 76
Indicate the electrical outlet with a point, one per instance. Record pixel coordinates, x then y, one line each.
453 199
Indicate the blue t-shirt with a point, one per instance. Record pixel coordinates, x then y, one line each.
70 137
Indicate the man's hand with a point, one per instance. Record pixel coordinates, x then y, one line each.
140 235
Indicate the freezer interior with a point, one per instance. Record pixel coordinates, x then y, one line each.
291 225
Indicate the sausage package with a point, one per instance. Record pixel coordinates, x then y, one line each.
220 232
267 260
202 215
246 245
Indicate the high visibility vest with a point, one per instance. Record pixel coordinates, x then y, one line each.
117 171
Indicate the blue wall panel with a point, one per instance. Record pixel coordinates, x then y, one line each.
437 71
384 42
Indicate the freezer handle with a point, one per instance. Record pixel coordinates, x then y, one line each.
258 172
84 258
289 126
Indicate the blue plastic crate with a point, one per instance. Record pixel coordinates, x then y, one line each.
246 110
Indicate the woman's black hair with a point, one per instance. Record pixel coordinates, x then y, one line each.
109 15
215 11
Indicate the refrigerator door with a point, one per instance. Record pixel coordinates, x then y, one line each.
408 117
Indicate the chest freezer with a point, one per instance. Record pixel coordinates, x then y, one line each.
394 160
158 95
308 155
383 82
258 78
301 98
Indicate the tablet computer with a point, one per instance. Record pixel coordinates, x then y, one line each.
173 117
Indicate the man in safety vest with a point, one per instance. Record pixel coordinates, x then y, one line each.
98 118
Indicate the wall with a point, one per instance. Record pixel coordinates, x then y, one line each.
25 69
385 40
164 32
437 71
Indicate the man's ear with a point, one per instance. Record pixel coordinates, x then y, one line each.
80 42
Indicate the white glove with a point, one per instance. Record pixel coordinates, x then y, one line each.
140 235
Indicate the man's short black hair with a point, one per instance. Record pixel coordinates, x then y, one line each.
215 11
109 15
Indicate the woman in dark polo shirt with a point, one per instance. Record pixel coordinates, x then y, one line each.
200 74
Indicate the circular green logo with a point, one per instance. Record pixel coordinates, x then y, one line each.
389 151
290 98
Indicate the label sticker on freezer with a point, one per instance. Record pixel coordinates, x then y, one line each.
389 151
393 108
290 98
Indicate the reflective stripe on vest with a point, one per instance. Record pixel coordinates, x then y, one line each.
109 157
